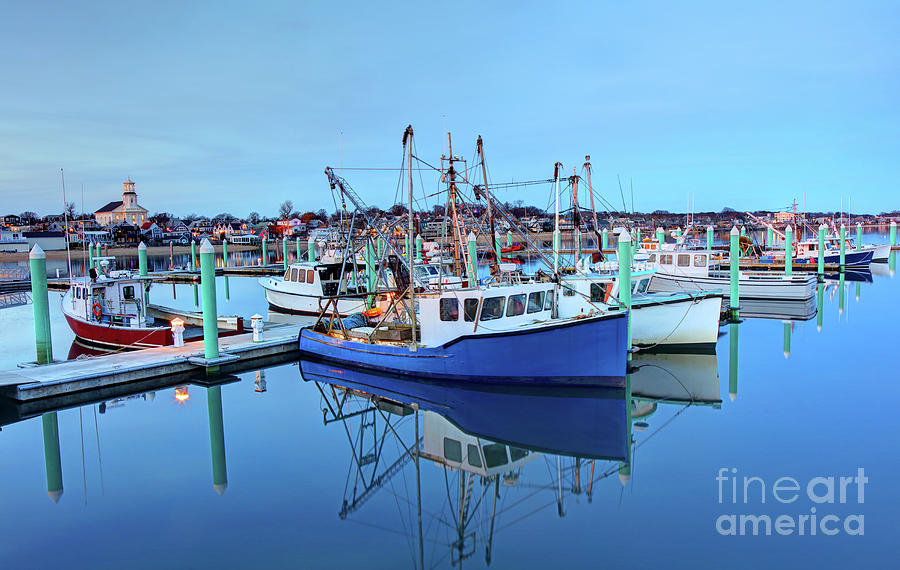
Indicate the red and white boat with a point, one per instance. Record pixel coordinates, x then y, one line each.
109 309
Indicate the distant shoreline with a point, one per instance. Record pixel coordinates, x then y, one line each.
152 251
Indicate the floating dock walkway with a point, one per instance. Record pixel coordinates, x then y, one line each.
239 353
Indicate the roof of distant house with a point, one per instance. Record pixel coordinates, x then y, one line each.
109 207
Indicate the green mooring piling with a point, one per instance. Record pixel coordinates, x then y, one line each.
604 239
52 460
893 238
297 246
420 246
193 255
473 261
265 250
788 250
858 236
821 266
311 250
284 253
625 278
660 235
734 261
37 260
142 259
770 237
743 231
90 255
843 245
497 248
224 253
709 237
217 438
208 284
508 238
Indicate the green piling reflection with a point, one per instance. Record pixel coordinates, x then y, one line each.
734 339
787 339
820 298
857 291
52 461
196 296
841 294
892 262
227 292
217 439
625 467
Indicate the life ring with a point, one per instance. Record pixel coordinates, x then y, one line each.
97 309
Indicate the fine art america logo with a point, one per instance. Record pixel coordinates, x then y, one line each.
811 510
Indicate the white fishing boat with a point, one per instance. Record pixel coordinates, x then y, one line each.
698 270
669 318
304 285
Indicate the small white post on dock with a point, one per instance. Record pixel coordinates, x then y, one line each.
37 261
177 332
256 323
208 284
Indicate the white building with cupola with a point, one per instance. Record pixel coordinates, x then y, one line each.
127 210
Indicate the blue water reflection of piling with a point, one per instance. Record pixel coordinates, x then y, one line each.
217 439
820 298
52 460
734 341
625 466
787 339
841 293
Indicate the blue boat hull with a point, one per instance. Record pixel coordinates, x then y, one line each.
591 350
852 258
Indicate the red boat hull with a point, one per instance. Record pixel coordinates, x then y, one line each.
102 334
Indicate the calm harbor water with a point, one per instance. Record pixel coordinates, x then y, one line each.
281 468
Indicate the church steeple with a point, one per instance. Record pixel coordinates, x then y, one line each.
129 196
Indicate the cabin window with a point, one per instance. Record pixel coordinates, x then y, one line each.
295 274
470 309
473 456
492 308
598 293
452 450
536 302
548 301
684 260
568 292
301 276
310 275
642 285
652 258
449 309
495 455
287 275
516 306
517 453
699 260
78 292
665 259
128 292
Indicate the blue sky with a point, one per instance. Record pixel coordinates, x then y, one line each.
236 106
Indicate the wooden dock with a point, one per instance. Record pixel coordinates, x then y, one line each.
237 354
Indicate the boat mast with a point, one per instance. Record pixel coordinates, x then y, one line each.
556 236
407 142
587 167
487 196
457 237
62 176
576 218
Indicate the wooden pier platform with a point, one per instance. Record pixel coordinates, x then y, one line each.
237 353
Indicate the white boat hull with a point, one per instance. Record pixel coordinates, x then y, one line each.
298 304
683 322
795 287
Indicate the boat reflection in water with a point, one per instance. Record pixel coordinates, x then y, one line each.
802 310
523 448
